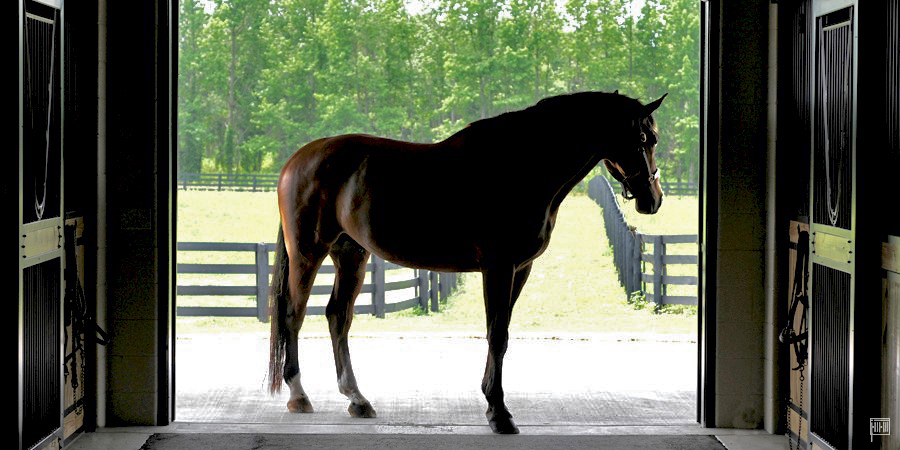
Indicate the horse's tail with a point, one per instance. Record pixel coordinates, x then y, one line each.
278 303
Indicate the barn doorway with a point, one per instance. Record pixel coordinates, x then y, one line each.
611 306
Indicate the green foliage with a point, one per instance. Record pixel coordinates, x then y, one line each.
258 79
639 301
686 310
415 311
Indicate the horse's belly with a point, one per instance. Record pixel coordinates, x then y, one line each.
410 228
419 248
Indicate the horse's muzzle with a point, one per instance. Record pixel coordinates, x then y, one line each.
649 201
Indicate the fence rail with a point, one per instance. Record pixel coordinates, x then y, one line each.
229 182
269 181
680 187
631 259
432 287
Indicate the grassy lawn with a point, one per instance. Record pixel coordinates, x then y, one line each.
572 287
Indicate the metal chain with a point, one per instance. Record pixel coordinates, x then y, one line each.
787 413
787 421
799 417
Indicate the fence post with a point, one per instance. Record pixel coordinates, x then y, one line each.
446 282
636 263
262 282
620 251
662 259
629 262
220 182
254 182
657 270
377 286
454 280
433 292
422 277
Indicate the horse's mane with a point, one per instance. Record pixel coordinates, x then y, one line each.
556 108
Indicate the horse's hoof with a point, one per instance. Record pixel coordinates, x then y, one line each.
503 426
501 423
299 405
364 410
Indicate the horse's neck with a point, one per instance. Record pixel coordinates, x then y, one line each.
526 153
575 178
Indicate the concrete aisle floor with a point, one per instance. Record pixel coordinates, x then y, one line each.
435 380
430 383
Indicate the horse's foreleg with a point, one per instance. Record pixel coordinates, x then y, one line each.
498 303
350 271
302 276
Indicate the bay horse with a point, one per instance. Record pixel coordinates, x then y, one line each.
351 195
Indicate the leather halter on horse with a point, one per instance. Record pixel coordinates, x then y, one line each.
627 186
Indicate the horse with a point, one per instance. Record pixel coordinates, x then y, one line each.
352 195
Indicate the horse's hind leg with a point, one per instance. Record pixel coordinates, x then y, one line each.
350 270
302 275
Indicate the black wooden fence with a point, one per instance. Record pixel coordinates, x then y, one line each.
629 254
269 181
679 187
430 286
228 182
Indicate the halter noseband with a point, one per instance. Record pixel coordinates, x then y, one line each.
627 190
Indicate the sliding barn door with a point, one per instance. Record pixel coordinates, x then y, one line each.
832 223
40 226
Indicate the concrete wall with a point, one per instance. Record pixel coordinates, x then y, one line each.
740 244
137 214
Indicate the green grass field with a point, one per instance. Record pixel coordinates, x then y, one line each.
572 288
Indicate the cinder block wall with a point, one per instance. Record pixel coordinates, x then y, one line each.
138 213
741 239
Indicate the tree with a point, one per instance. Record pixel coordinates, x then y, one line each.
193 111
258 79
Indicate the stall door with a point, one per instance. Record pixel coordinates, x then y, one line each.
40 227
832 224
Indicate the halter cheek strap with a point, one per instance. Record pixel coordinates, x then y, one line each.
627 191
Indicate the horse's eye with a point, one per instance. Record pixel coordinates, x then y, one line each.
643 137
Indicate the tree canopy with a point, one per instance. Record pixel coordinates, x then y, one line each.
258 79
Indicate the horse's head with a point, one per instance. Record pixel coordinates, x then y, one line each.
634 163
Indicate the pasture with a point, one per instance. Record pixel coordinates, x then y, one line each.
572 287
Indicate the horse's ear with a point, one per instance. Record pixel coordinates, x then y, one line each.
616 92
649 108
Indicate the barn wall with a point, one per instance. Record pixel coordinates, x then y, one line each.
138 213
877 148
740 213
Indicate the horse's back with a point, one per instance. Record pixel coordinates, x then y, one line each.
394 198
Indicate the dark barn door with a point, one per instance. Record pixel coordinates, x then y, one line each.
40 226
833 224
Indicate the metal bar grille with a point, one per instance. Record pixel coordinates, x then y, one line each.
799 116
41 158
41 406
834 127
892 88
830 380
